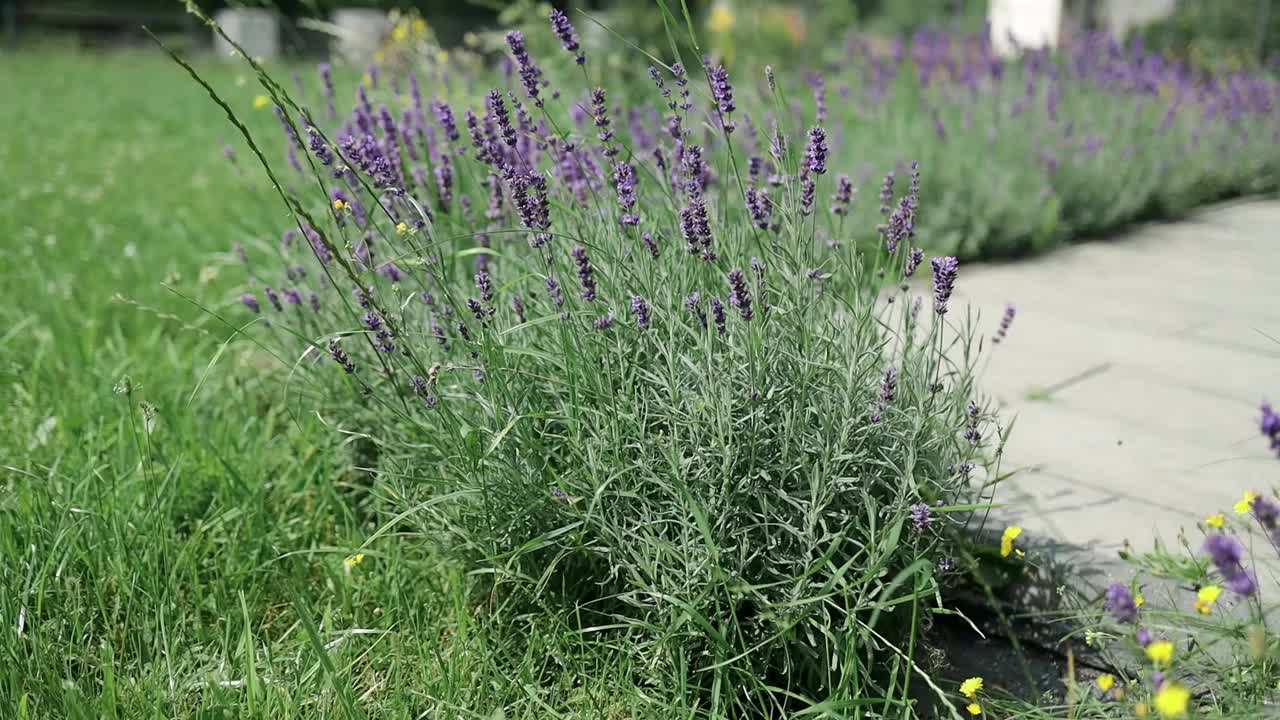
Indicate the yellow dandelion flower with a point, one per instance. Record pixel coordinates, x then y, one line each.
1171 701
402 228
339 205
1139 600
1206 597
974 709
353 561
1010 534
261 101
1245 503
969 688
400 32
1140 709
1106 681
1216 521
1160 652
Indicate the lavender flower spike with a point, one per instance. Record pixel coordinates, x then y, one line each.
722 92
1120 603
585 273
1270 426
1009 311
739 294
944 282
251 302
816 152
921 517
530 74
563 29
640 308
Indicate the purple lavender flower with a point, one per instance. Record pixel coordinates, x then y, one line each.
340 356
624 179
1144 637
1157 679
886 194
722 93
600 114
485 285
444 184
497 109
808 191
718 314
693 303
815 153
382 333
554 292
517 306
1005 322
530 74
843 196
1120 603
1269 425
585 273
944 281
251 302
361 298
760 207
696 229
478 310
739 294
914 258
314 300
819 86
563 29
1242 583
530 195
422 389
318 146
274 297
292 296
640 309
604 322
921 517
448 123
326 79
889 387
647 238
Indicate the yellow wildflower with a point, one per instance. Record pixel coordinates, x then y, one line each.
721 20
969 688
353 561
419 27
1140 709
402 229
1171 701
1160 652
1206 597
1106 681
260 102
1216 521
339 205
974 709
400 32
1245 503
1011 533
1139 600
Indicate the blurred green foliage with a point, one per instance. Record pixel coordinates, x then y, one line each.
1214 34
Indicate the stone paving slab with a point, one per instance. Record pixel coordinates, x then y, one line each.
1157 346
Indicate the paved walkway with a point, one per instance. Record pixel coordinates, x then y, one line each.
1134 369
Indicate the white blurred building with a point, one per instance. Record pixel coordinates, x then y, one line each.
1041 23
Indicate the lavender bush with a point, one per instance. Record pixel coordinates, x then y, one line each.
619 362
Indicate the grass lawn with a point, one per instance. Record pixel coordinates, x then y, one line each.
197 570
